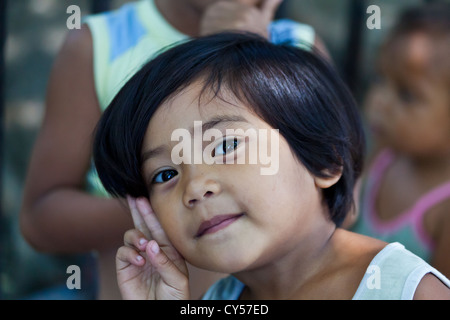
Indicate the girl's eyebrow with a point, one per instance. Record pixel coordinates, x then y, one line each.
211 123
153 153
214 121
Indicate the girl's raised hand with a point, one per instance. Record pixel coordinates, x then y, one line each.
148 266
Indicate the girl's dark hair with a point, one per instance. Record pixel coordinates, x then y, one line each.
291 89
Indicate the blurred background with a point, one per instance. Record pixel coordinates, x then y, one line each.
31 33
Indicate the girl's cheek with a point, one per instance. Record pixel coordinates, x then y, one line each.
158 205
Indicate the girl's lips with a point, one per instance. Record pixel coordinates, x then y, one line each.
217 223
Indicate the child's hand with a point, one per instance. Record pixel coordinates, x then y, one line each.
235 15
148 266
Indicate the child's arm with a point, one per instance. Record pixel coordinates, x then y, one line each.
431 288
57 215
148 266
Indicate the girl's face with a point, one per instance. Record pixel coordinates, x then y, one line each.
410 109
226 217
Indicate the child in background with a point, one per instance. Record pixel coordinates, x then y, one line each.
277 233
406 195
61 209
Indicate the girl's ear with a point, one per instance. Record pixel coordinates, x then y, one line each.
328 180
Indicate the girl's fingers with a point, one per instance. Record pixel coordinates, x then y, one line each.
151 222
135 238
138 221
168 271
126 256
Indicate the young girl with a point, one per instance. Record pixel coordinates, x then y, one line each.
276 233
407 192
63 201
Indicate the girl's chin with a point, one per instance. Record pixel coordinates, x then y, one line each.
226 264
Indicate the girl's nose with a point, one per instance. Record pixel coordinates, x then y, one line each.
200 187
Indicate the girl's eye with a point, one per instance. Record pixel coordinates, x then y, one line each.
225 147
164 176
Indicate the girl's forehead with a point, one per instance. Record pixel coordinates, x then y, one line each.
195 102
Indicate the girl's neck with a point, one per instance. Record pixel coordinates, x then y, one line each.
283 278
330 266
182 15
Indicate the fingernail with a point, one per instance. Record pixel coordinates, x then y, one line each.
142 241
155 247
139 258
